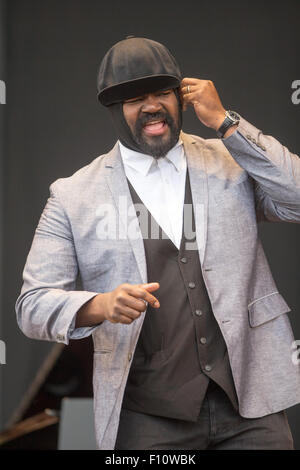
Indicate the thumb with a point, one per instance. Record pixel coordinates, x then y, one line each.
150 286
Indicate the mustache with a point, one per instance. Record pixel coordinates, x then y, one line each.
145 118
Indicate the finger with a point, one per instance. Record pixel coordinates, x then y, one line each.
134 303
187 90
153 301
131 313
140 293
122 319
191 98
190 81
150 286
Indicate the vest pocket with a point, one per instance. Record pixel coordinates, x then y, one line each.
266 308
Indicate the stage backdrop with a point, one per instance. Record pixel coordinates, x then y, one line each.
55 125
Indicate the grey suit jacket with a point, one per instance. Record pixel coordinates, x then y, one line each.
235 183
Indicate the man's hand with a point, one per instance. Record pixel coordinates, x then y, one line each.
126 303
122 305
203 95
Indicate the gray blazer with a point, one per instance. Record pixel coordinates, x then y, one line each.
235 183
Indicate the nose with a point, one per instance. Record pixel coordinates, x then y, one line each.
151 104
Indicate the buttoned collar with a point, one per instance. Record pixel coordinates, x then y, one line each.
142 162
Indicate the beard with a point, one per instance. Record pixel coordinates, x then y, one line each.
156 146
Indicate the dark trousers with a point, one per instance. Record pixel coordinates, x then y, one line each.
218 427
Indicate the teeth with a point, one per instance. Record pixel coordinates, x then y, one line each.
153 122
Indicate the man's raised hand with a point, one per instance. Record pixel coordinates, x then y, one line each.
203 96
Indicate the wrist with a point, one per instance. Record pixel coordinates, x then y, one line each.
92 312
219 119
231 120
230 131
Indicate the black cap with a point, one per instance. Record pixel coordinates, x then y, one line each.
133 67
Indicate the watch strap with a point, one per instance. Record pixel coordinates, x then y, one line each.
231 118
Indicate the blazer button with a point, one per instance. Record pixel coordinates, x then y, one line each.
129 357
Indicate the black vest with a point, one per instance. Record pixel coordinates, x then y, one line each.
180 347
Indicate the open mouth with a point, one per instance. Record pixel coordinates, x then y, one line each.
157 127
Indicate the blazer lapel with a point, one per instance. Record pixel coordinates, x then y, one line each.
196 164
117 183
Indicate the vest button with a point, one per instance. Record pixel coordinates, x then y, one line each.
183 260
192 285
203 340
198 312
208 367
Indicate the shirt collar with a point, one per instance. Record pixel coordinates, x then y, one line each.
142 162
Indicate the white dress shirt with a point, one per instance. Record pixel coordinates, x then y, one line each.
160 184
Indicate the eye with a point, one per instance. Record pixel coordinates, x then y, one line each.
164 93
134 100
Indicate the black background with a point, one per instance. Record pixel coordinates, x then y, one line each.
52 123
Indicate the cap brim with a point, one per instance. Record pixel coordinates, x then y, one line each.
137 87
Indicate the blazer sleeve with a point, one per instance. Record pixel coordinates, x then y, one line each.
47 305
274 169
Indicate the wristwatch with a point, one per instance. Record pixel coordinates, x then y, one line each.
231 118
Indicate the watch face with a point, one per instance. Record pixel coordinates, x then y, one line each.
233 115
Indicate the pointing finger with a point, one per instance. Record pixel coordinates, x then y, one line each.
150 286
140 292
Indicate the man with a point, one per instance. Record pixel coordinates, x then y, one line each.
191 337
